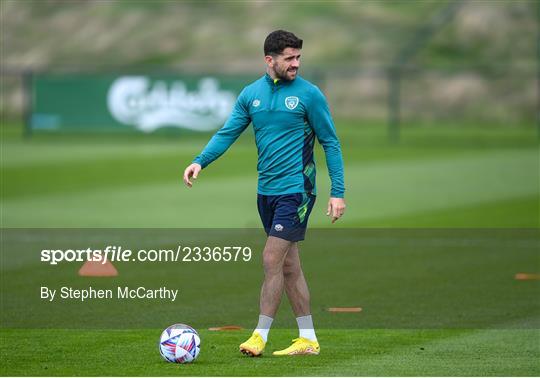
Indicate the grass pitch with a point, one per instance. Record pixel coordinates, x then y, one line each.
426 311
70 181
343 352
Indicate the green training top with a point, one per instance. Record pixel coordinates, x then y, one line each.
286 117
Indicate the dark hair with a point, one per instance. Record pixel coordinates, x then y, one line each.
279 40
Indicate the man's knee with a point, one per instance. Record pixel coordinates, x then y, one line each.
272 262
291 267
291 271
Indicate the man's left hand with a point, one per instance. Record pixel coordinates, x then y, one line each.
336 208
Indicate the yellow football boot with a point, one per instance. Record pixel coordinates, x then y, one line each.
254 346
300 346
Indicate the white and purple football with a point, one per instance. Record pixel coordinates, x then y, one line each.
179 343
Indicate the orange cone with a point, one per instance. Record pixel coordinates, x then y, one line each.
527 276
345 309
226 328
97 269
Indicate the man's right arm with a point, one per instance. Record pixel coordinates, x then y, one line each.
221 141
225 137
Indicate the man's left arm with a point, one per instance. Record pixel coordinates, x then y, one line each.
320 119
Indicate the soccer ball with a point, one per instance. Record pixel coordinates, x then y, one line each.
179 343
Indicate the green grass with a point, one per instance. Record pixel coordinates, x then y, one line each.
343 353
516 212
428 248
72 181
402 278
435 303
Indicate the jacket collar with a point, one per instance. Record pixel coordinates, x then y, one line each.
276 82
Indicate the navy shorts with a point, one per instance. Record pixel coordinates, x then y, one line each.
285 216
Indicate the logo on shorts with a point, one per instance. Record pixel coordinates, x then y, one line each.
256 103
291 102
278 227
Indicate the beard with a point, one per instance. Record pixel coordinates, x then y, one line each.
282 73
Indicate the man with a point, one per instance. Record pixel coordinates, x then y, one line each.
287 113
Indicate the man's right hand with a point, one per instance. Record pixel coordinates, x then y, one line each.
191 171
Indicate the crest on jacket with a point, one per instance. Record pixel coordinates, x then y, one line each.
291 102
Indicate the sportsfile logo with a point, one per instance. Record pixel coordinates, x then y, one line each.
136 101
182 253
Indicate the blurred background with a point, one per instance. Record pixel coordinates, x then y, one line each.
104 103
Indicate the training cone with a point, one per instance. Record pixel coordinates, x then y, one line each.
527 276
97 269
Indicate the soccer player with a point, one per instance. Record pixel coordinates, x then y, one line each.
287 113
